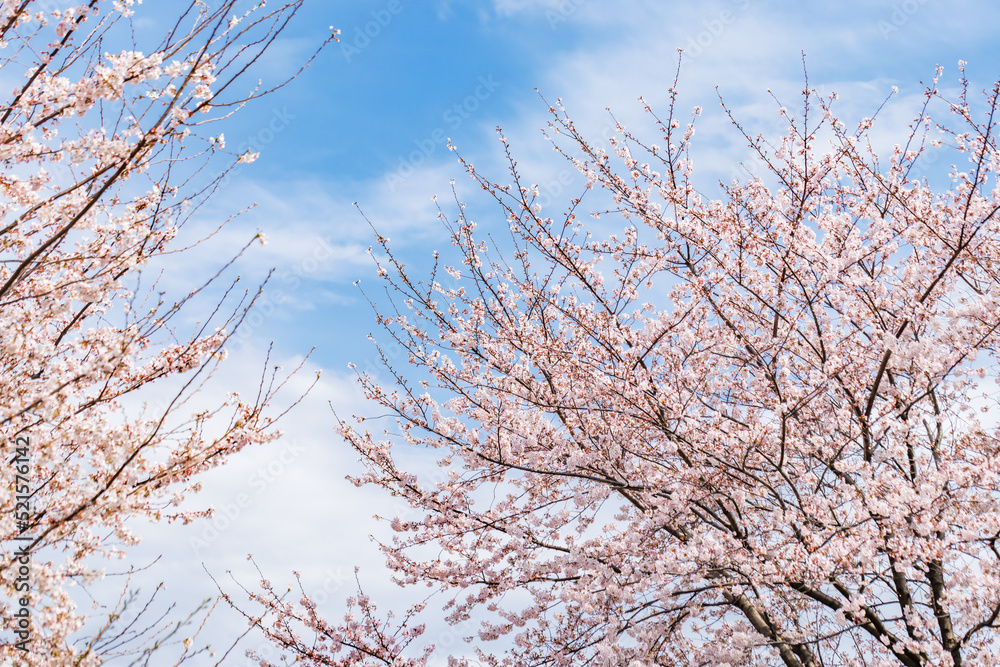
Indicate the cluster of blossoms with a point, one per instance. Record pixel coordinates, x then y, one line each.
750 430
91 146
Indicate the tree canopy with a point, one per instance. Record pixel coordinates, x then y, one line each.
743 430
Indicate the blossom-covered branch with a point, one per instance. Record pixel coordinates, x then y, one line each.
103 159
745 430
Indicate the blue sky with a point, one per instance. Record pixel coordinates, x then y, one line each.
369 121
366 124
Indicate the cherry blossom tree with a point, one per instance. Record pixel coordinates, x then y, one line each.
754 429
105 154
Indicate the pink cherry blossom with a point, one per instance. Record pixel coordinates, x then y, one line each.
751 430
103 158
